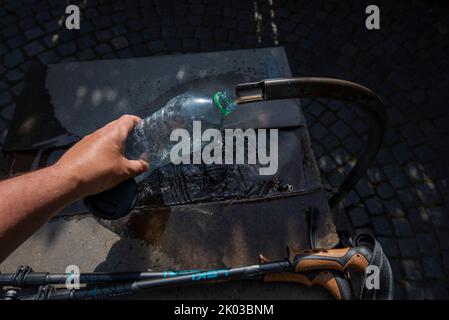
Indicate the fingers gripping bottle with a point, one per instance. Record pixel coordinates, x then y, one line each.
150 141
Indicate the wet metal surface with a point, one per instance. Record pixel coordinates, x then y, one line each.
188 216
172 185
227 233
77 98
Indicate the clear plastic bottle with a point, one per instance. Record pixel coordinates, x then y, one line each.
150 139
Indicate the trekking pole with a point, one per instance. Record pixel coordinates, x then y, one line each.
334 281
46 279
326 268
26 277
304 260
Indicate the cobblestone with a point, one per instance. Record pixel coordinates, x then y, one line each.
34 33
374 206
402 153
87 41
402 227
102 49
414 290
433 267
33 48
439 217
382 226
87 54
5 98
120 43
409 248
428 244
359 217
48 57
395 176
389 246
412 269
67 49
7 112
13 58
14 75
385 191
436 290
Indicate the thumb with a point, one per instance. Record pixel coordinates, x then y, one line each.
137 167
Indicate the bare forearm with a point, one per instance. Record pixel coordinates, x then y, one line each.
94 164
29 201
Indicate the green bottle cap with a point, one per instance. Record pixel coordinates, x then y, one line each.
225 102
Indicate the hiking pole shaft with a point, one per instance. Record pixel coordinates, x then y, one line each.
22 279
19 280
246 272
281 271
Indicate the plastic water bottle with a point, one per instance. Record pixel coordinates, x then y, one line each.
150 139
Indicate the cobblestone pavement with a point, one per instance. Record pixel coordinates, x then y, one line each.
405 196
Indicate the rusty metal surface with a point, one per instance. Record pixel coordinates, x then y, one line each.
225 233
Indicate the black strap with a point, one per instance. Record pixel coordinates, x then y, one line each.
379 259
313 217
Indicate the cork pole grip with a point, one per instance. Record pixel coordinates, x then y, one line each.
340 290
333 259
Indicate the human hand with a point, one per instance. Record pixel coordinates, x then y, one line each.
97 162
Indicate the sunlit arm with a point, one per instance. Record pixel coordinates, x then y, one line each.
29 201
94 164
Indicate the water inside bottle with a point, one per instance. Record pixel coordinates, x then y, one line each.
168 184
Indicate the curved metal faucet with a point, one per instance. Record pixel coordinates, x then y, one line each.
358 95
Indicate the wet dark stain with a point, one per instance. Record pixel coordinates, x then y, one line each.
172 185
148 226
